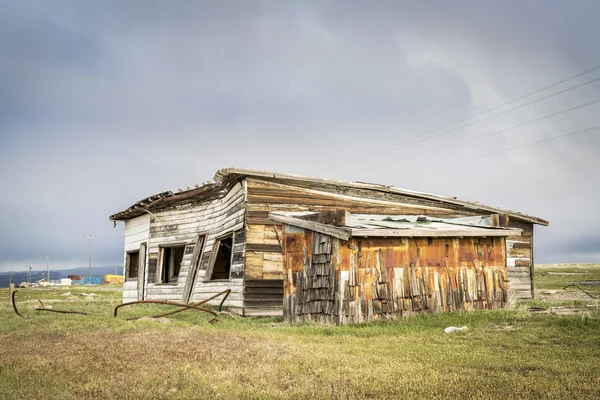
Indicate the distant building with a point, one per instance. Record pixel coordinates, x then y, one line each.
96 280
114 279
317 249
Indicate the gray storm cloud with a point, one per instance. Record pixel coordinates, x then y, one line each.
102 104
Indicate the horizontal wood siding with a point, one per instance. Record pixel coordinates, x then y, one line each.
264 196
181 226
130 291
137 231
519 261
263 296
264 259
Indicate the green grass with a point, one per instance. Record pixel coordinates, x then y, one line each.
505 354
550 278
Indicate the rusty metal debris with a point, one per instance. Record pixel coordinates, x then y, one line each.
184 307
575 286
15 304
61 311
58 311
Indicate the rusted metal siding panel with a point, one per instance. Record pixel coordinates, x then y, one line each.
378 278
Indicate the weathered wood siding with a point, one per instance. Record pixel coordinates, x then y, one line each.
335 281
264 258
181 226
519 260
137 231
263 286
263 252
265 196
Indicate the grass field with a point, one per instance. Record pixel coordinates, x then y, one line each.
507 354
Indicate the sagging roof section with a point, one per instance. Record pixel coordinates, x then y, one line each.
226 177
362 225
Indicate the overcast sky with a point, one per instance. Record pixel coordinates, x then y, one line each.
104 103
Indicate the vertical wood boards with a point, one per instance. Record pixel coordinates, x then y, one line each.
142 271
334 281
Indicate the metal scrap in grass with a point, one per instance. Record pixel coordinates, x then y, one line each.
576 286
14 304
183 307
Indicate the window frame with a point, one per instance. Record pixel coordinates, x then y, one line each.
160 266
214 254
128 265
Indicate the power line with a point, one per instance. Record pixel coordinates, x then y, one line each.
385 150
484 135
403 145
513 148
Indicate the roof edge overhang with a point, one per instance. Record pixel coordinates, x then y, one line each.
225 177
165 200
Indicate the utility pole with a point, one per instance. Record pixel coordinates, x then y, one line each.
48 256
89 238
30 265
10 277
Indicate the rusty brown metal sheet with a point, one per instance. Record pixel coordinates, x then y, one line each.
381 277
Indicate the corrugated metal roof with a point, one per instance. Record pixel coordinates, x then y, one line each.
397 226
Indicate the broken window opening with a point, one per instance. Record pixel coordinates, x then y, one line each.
222 264
132 265
171 263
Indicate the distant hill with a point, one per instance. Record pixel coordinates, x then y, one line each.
23 276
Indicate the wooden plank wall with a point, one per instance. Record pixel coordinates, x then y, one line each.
265 261
334 281
263 286
519 260
137 231
181 226
265 196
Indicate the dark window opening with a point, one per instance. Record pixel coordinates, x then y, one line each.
223 259
132 265
171 263
429 241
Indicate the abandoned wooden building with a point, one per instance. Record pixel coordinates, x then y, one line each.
324 250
